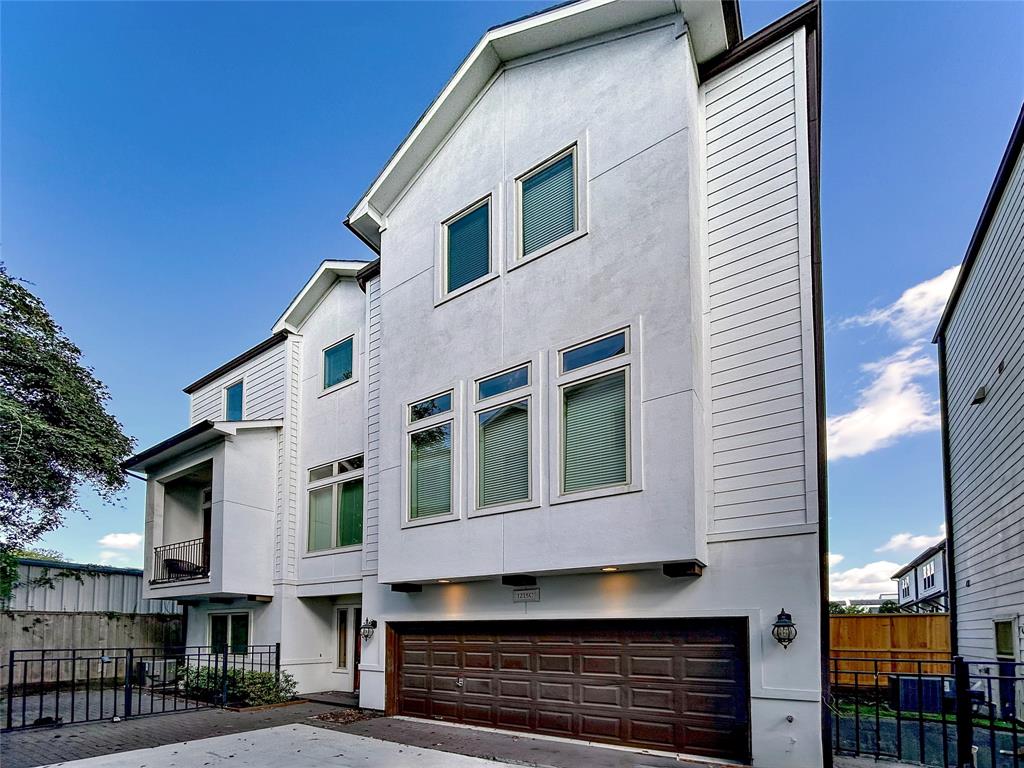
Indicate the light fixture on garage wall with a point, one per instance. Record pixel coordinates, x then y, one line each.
784 630
366 630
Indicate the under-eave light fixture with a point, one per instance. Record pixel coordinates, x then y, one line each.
609 569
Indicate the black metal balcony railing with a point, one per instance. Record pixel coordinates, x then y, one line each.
181 562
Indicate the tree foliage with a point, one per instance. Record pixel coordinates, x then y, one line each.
56 435
842 609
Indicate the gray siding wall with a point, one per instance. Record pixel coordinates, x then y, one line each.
54 588
760 314
263 391
986 441
371 507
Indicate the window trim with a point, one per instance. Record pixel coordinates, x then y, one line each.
1014 637
530 392
209 628
441 292
928 572
454 417
324 390
578 147
628 362
224 398
334 481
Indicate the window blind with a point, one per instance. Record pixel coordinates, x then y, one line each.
320 519
469 248
595 453
504 447
350 513
430 491
549 204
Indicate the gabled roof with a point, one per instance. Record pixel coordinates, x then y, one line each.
988 211
326 275
924 557
714 26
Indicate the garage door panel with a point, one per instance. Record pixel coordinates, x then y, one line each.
679 684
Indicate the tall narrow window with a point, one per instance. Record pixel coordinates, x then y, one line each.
467 247
594 433
504 454
342 638
336 506
547 203
1004 640
430 471
233 402
338 363
229 632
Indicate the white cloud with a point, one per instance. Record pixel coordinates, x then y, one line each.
868 581
909 542
107 557
834 559
916 312
892 405
121 541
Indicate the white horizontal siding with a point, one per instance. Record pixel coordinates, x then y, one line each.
757 288
263 389
986 441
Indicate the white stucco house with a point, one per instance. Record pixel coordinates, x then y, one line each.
981 340
559 446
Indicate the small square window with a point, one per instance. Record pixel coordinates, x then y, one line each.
338 363
547 203
233 402
467 247
321 473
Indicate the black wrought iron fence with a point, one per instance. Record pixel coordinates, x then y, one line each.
933 712
55 686
181 562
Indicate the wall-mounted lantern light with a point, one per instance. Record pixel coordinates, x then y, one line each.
366 630
784 630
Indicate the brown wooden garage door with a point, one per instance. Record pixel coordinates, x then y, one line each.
678 685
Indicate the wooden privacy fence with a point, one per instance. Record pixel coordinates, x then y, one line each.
883 640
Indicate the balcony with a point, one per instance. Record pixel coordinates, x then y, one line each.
184 561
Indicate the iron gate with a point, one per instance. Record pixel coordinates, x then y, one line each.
57 686
935 712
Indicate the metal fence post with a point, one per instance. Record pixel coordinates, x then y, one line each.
964 716
129 672
277 662
224 680
10 690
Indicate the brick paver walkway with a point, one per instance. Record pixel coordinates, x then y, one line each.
42 746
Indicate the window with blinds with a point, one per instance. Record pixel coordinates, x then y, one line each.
504 454
468 248
595 451
430 471
350 513
336 508
320 524
547 203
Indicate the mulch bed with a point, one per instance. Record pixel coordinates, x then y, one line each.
342 716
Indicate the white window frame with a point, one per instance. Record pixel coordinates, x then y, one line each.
577 147
355 365
630 363
335 480
454 416
905 587
530 392
224 397
928 571
441 292
209 627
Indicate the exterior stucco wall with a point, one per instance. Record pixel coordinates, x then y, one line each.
625 98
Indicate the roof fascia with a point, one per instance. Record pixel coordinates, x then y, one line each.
313 291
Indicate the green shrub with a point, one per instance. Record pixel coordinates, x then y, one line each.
246 688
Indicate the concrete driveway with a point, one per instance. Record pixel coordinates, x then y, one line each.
294 746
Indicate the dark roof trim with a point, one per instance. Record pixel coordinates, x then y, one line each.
194 431
928 554
733 22
356 232
995 194
806 15
245 357
367 273
59 566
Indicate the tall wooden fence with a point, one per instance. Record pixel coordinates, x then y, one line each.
894 643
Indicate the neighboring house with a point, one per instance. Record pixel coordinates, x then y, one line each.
981 375
558 452
921 583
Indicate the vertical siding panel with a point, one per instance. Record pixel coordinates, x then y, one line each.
372 502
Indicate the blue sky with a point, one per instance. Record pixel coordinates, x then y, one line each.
173 172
